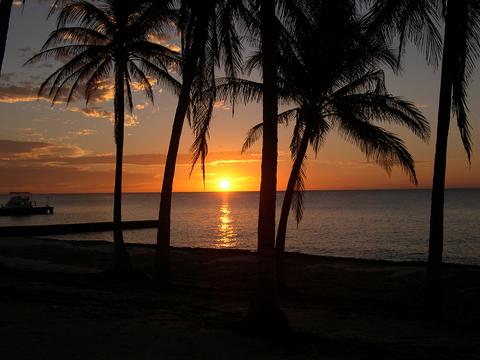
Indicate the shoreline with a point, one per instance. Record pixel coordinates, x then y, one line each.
246 251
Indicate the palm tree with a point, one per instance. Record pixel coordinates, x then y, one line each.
347 92
343 90
275 21
264 311
407 21
263 20
461 48
209 38
97 39
5 10
416 20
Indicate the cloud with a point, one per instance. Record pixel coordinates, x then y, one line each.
83 132
31 133
220 104
100 113
12 147
13 93
43 166
14 89
27 90
104 91
73 155
137 86
164 40
34 151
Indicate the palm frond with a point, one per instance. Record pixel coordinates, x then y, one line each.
233 90
255 132
465 51
202 115
384 147
409 20
253 135
381 108
87 14
299 194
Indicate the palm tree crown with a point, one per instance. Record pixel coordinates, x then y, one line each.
208 38
101 37
333 81
109 37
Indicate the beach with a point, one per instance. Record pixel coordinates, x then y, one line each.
58 302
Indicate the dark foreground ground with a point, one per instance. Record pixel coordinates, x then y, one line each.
56 303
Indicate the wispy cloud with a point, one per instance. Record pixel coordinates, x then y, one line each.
74 155
12 151
100 113
221 105
48 166
83 132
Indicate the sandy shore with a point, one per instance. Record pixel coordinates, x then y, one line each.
56 303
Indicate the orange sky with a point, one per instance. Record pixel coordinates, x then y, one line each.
60 149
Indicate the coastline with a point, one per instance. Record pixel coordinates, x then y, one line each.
59 303
390 225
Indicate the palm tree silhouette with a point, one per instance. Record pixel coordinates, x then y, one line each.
209 37
5 10
95 40
417 21
264 21
343 90
461 48
264 311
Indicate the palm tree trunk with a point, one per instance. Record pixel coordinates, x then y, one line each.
435 249
5 10
121 257
286 205
264 313
162 256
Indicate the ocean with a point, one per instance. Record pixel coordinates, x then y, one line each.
371 224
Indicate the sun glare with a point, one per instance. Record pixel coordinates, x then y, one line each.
224 184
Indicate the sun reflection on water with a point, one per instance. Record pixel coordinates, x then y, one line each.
226 236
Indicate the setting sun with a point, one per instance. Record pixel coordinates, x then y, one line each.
224 184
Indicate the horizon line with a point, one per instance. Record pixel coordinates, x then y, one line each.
241 191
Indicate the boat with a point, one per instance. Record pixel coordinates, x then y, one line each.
20 204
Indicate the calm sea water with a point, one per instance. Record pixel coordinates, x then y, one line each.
391 225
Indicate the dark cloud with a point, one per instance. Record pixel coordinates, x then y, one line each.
14 93
71 155
49 167
15 152
41 179
27 91
12 147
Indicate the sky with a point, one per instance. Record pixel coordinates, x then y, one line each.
70 149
